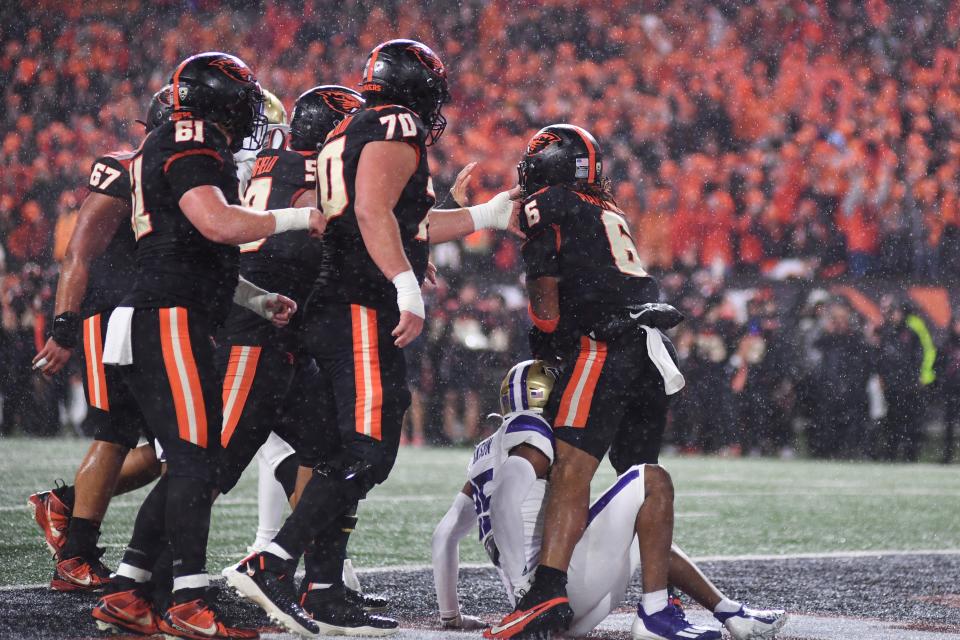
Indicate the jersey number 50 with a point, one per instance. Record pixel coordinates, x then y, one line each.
331 187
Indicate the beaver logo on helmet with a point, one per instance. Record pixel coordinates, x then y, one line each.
233 68
429 59
342 101
541 141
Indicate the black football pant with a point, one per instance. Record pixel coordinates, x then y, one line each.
176 385
264 389
112 410
364 397
610 397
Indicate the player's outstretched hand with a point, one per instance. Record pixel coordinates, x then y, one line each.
51 358
408 329
282 309
318 223
465 623
459 189
430 276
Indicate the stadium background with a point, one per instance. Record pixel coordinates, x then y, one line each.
783 164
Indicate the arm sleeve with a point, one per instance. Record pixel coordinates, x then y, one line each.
515 478
445 552
539 222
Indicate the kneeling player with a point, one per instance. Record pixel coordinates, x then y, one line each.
505 495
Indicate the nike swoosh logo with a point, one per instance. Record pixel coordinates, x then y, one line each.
208 631
143 621
635 315
498 629
85 582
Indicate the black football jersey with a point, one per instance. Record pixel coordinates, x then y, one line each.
111 274
348 273
176 265
286 263
586 244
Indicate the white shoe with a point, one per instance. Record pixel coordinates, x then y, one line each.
753 624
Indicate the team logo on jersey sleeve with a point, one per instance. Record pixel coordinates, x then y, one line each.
541 142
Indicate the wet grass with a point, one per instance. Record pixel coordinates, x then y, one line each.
724 507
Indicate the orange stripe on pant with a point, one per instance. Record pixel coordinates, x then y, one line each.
236 387
368 408
578 395
183 376
93 353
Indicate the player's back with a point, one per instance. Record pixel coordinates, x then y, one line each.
349 273
586 243
286 263
111 274
176 264
518 428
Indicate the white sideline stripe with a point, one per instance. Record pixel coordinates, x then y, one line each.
735 558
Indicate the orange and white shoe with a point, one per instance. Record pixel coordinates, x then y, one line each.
126 612
80 574
197 620
53 517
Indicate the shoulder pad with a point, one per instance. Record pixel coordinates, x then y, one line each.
389 122
543 208
529 429
108 175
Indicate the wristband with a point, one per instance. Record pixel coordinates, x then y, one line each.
66 329
291 219
494 214
408 294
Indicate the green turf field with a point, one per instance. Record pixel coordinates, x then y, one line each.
724 507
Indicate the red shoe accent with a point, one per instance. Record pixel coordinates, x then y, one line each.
53 518
126 611
517 621
197 621
77 574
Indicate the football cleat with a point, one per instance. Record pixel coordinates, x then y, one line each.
339 614
534 619
126 612
367 601
53 517
197 620
753 624
267 581
669 624
81 574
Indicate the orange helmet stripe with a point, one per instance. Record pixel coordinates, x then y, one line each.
373 62
175 85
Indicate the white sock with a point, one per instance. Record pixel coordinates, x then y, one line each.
654 602
727 606
278 551
270 503
134 573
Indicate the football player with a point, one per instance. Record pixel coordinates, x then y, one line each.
95 274
188 222
374 187
586 284
505 495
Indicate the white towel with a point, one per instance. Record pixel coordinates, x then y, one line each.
117 348
672 378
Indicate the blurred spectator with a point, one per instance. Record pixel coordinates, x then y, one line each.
899 361
948 384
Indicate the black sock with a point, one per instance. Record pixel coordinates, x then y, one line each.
550 578
82 537
323 563
186 595
67 495
149 530
286 474
324 500
189 503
